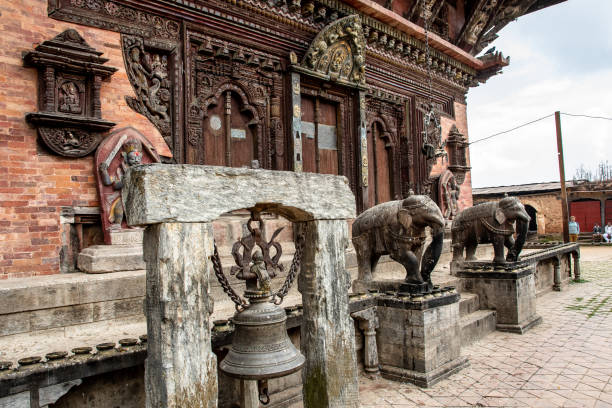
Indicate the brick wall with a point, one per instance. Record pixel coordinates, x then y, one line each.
35 184
465 197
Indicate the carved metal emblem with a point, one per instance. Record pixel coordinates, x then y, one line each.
338 53
70 118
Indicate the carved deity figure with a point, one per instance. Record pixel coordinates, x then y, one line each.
123 149
258 268
132 156
69 100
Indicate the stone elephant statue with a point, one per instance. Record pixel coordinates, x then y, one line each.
491 222
397 228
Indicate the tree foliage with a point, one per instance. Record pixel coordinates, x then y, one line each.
602 172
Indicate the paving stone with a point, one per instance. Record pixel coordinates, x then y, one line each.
564 362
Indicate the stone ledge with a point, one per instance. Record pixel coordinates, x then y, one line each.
520 328
421 379
45 292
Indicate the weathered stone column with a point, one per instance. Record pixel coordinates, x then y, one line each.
181 369
557 274
368 323
327 335
576 256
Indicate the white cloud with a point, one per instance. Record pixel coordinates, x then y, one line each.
540 80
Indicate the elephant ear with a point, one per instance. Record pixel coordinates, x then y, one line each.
500 217
404 218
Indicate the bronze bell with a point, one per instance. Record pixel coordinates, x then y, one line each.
261 348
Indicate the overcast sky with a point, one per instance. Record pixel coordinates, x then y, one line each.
561 59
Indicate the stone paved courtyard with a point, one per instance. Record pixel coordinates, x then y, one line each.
564 362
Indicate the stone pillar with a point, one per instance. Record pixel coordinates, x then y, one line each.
557 274
327 334
576 256
368 323
181 369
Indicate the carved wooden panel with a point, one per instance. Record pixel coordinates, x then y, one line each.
234 103
69 120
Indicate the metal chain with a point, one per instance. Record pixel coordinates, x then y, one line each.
293 271
427 51
241 304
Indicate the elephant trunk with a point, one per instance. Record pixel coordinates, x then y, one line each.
522 226
432 255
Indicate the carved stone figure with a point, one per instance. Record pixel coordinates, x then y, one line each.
397 228
491 222
122 149
448 193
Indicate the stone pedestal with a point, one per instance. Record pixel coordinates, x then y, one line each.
419 341
111 258
509 289
124 253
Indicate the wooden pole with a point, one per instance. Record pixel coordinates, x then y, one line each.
562 177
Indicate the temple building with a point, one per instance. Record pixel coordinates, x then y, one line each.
317 86
374 91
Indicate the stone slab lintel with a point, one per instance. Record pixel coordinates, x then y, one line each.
156 193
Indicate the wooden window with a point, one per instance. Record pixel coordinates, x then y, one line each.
229 136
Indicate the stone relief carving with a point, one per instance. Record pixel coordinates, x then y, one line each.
69 121
448 194
122 149
148 74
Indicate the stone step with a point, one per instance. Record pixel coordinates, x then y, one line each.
477 325
469 303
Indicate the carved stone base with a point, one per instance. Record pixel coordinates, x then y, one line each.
419 341
424 380
111 258
126 236
520 328
509 289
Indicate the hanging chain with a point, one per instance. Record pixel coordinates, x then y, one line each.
427 51
241 304
293 270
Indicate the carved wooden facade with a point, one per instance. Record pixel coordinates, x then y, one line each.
296 85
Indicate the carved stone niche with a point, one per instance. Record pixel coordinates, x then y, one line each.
69 119
456 146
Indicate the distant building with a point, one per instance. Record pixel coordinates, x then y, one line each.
589 202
